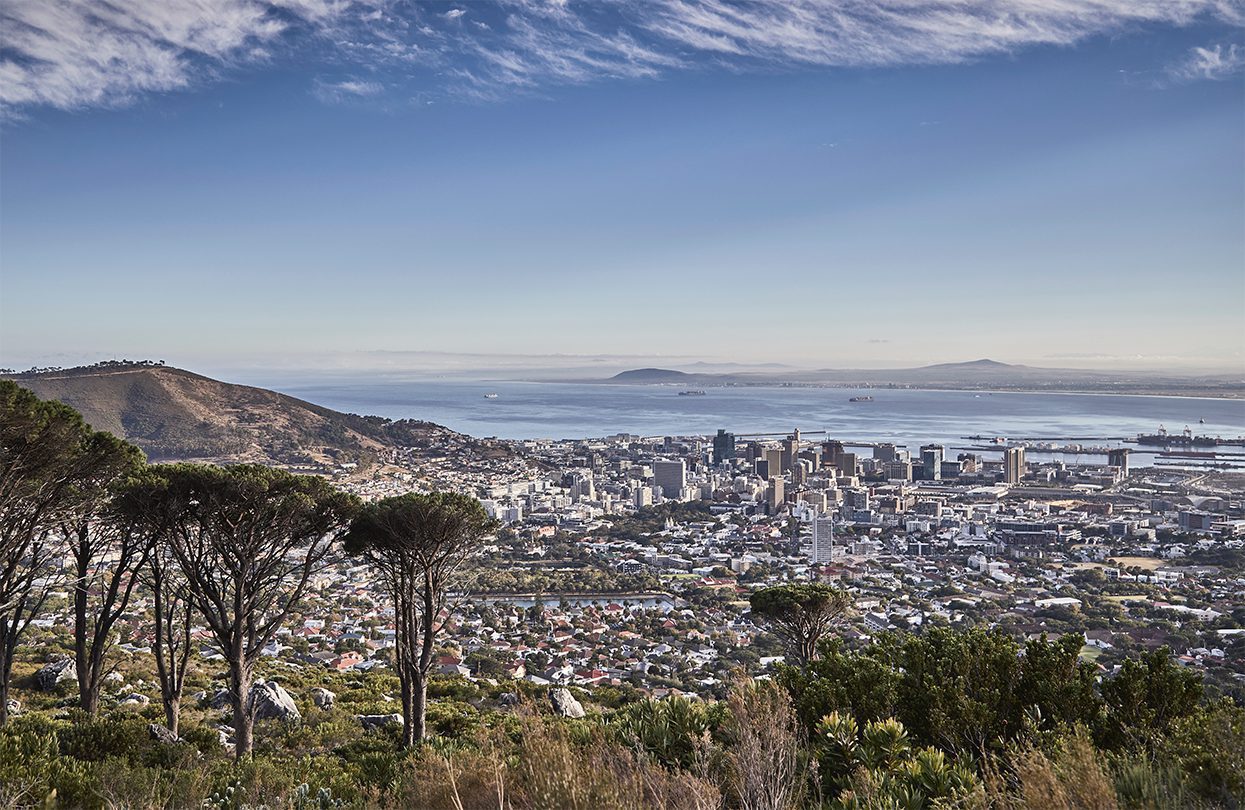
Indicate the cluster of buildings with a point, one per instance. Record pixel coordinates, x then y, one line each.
1127 558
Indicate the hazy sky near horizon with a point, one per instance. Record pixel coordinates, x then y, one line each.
829 183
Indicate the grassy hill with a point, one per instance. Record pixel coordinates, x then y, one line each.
178 415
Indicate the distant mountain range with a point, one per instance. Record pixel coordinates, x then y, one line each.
178 415
977 374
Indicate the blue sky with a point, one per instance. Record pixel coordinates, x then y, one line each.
234 182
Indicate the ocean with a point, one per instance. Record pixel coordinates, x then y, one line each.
529 410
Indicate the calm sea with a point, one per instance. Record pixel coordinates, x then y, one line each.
525 410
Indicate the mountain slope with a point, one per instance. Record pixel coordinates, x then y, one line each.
177 415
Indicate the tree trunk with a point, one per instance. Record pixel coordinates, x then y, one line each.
408 711
88 698
88 686
240 676
419 707
6 668
172 713
4 688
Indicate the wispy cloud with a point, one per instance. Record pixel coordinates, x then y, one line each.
81 53
1216 62
337 92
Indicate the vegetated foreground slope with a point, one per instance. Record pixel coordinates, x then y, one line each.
177 415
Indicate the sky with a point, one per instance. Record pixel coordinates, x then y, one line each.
359 184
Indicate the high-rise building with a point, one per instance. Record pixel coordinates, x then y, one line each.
847 464
791 450
1014 464
643 497
884 452
830 452
1118 457
899 470
823 539
723 446
774 456
775 495
671 476
931 462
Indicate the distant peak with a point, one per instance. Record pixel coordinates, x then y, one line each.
649 375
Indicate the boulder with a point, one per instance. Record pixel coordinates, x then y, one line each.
135 699
564 703
270 701
221 699
15 707
161 734
323 698
370 721
55 673
508 699
114 677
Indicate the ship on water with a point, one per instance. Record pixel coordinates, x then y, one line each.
691 393
1184 439
861 399
490 395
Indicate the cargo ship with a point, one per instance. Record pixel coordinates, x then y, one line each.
861 399
1183 439
691 393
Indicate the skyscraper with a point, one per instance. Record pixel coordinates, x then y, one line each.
1014 464
671 476
931 462
823 539
884 452
723 446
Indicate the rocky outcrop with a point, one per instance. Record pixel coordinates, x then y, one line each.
270 701
323 698
161 734
371 721
564 703
55 673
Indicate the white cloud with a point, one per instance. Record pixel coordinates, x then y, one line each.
336 92
79 53
1218 62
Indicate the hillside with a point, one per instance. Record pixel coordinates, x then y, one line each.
174 414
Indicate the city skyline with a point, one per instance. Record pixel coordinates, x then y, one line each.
823 185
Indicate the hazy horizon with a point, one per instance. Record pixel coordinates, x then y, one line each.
245 184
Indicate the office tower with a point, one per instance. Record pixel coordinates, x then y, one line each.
671 476
762 468
1118 457
1014 464
753 451
884 452
791 450
847 463
899 470
856 498
643 497
774 456
823 539
775 495
723 446
830 452
968 462
931 462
